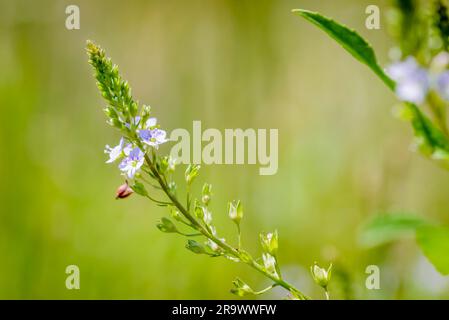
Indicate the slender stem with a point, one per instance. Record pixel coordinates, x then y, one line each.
326 292
231 250
239 236
266 289
158 201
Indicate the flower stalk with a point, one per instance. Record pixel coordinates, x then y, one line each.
141 165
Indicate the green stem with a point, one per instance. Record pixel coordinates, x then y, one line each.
229 249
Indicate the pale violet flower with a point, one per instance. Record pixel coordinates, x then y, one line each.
117 151
132 163
153 137
443 85
412 81
151 122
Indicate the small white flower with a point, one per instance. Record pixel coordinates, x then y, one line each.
207 217
269 263
114 152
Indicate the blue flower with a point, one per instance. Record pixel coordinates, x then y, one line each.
132 163
412 81
151 135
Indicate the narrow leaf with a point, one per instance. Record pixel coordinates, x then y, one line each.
349 39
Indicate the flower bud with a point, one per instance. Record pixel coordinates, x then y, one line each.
163 165
146 110
195 247
241 288
206 194
191 173
167 226
172 187
123 191
175 214
269 263
235 211
320 275
269 242
198 210
172 164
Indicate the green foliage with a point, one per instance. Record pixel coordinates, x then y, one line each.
350 40
432 239
431 140
434 242
157 171
385 228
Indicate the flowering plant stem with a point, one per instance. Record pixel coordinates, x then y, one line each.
141 164
226 247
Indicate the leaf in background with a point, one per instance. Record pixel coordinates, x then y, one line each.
350 40
434 242
388 227
427 131
431 141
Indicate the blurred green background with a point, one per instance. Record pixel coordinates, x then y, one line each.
230 64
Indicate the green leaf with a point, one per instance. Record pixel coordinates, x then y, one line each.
434 242
139 188
430 138
431 141
350 40
388 227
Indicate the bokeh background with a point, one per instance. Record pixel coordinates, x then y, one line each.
343 157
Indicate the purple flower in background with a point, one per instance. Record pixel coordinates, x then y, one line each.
443 85
132 163
412 81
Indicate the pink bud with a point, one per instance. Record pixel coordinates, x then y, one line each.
123 191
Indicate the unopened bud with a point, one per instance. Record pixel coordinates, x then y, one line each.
123 191
320 275
206 194
269 242
166 225
191 173
241 288
235 211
